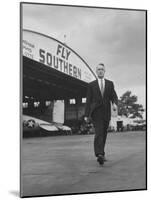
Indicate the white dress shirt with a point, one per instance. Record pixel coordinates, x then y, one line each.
100 83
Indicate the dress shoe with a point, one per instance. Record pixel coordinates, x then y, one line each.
100 159
104 158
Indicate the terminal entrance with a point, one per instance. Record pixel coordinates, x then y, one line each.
54 81
43 86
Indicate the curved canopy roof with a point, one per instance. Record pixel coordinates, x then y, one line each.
51 69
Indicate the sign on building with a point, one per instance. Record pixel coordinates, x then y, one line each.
54 54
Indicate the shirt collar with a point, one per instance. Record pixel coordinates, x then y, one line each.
99 79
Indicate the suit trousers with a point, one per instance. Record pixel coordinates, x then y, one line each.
101 126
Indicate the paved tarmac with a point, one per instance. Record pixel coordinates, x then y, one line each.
66 164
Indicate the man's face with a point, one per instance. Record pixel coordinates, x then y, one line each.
100 70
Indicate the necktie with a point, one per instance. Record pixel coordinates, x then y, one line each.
102 88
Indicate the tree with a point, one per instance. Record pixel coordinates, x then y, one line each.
127 105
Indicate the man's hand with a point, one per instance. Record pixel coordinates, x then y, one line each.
86 119
114 107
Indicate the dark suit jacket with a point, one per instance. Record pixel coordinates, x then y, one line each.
95 99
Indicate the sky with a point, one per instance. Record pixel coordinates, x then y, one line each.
114 37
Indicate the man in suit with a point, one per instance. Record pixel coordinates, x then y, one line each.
100 94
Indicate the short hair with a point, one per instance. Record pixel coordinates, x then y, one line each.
101 64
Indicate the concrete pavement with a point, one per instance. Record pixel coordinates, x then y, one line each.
66 164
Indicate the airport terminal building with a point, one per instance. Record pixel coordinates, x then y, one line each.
54 81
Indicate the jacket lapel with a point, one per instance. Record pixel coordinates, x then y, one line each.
98 89
105 89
